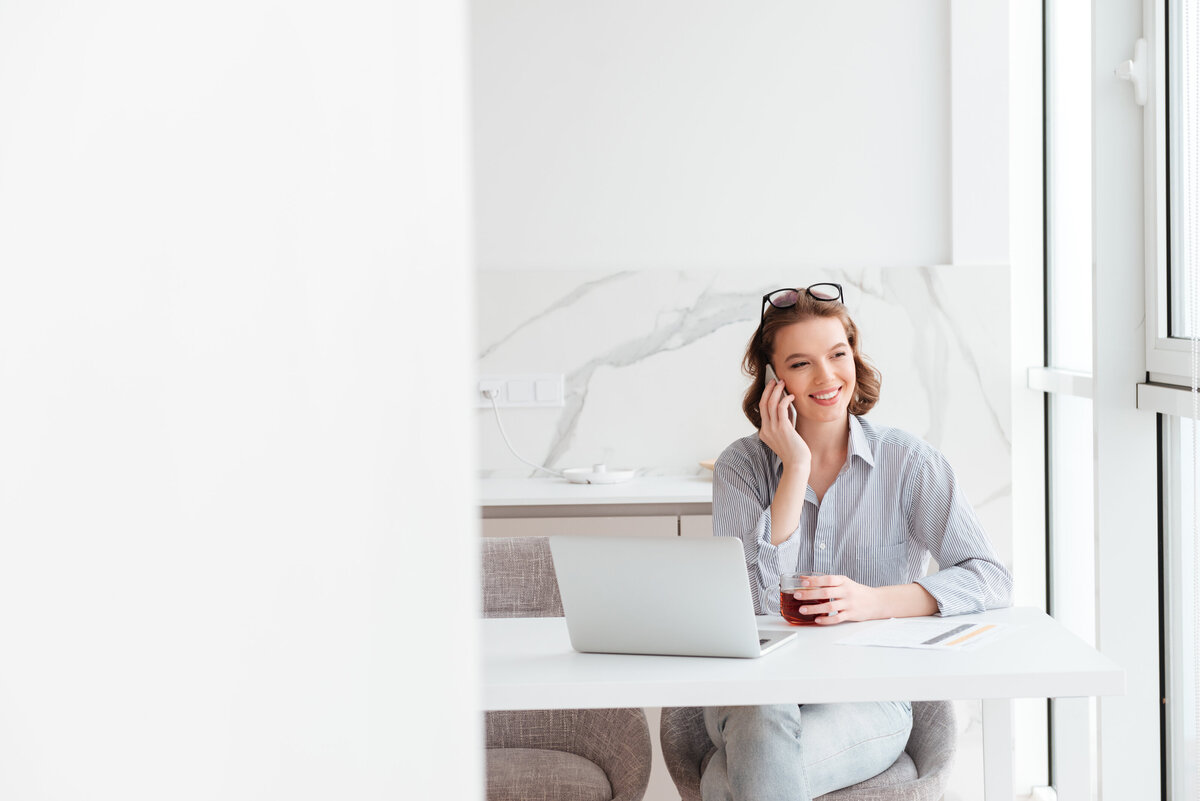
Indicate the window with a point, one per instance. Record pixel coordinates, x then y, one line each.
1173 191
1174 200
1182 604
1069 341
1183 179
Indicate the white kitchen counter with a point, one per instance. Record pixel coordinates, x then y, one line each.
556 497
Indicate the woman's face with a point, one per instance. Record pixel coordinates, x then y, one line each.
815 362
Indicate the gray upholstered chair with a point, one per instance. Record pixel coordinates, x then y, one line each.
554 755
919 774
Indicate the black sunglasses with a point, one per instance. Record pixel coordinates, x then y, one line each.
786 298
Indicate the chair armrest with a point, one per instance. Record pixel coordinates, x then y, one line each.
685 743
932 743
618 740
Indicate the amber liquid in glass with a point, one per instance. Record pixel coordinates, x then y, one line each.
790 608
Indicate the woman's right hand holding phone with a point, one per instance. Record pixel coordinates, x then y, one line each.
778 430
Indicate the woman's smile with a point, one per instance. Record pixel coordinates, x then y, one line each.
828 397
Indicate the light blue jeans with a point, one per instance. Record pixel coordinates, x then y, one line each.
798 752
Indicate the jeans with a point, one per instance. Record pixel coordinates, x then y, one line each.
798 752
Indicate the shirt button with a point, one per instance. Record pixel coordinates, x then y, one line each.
821 546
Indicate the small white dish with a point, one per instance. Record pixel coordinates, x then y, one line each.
597 474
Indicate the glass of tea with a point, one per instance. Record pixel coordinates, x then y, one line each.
789 606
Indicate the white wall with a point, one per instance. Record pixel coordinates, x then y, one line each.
222 228
709 135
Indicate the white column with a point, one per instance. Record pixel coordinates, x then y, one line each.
1126 467
1026 234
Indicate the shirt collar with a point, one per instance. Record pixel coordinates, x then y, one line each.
860 446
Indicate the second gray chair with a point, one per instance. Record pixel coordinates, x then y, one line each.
919 774
554 755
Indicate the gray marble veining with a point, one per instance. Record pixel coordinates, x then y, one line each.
567 301
678 328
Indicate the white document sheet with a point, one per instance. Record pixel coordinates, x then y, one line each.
941 635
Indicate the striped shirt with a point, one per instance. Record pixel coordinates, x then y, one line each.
894 504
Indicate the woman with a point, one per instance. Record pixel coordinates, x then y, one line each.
864 505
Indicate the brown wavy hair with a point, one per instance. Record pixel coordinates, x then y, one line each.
762 346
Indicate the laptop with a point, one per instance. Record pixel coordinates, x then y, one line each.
659 595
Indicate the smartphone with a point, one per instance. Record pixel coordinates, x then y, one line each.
791 406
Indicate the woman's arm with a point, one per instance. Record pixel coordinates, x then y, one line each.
970 575
788 504
742 509
938 518
904 600
780 435
743 504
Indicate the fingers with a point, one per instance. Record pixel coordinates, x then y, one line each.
829 610
822 582
770 398
772 406
816 600
826 613
781 403
765 407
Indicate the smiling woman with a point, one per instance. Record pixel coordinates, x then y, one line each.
859 507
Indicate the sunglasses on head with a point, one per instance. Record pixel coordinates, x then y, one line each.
786 298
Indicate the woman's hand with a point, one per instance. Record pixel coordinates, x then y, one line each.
778 430
837 598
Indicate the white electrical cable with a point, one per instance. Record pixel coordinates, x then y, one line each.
495 408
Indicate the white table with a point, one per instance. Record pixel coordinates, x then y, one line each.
556 497
529 664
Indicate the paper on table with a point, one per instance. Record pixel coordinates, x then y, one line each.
922 633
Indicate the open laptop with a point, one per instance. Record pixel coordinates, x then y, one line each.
659 595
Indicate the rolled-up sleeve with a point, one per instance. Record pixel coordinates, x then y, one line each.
742 509
970 575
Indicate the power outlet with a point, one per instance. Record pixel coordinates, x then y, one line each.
529 390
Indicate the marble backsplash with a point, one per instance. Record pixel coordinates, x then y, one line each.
652 366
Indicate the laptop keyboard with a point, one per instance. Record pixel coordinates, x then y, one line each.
763 641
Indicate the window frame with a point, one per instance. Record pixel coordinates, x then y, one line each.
1168 359
1125 217
1178 559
